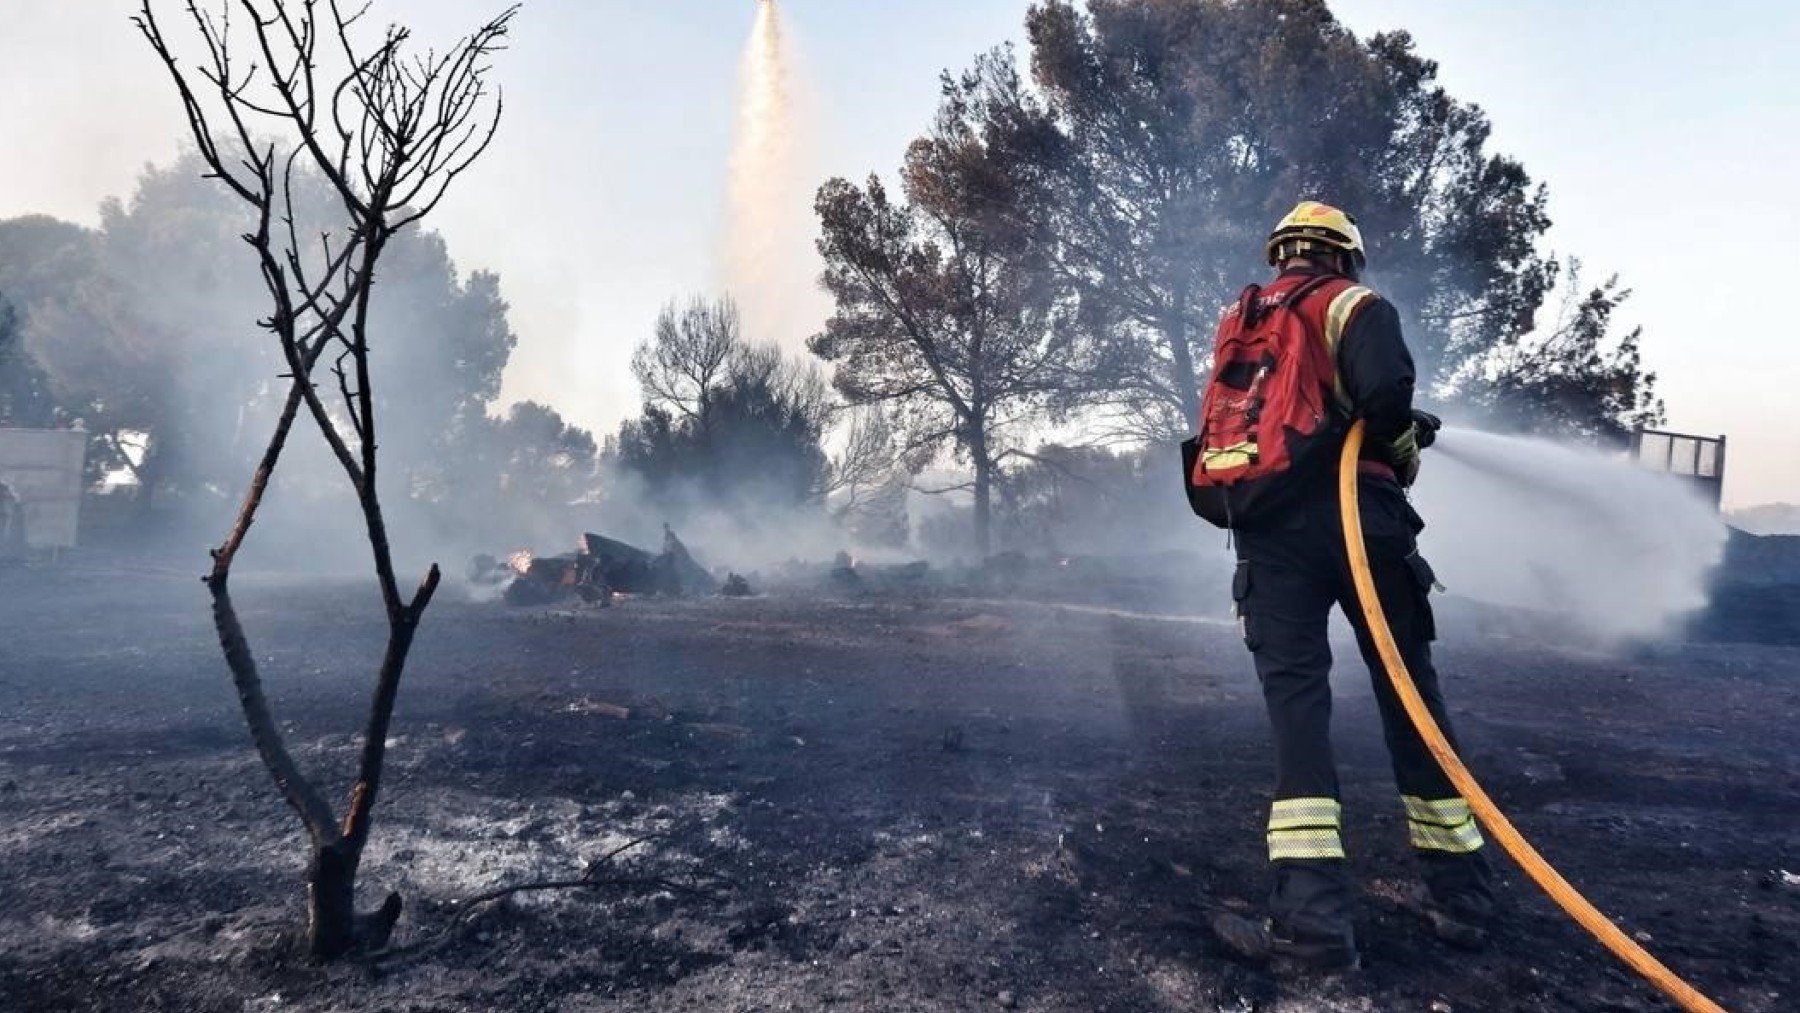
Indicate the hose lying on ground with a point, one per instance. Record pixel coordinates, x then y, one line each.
1552 882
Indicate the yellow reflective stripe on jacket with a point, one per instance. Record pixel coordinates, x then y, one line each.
1337 318
1290 845
1442 824
1305 813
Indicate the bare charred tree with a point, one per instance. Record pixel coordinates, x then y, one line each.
690 357
276 88
698 359
868 459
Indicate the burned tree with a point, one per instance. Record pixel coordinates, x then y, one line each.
724 419
947 313
867 462
1170 134
278 88
690 358
1574 378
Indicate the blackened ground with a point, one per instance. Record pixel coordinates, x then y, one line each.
882 804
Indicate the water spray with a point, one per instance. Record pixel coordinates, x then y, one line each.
1617 552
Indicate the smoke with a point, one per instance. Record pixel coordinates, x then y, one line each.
1582 545
769 264
1605 547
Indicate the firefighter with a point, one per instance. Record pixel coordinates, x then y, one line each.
1292 569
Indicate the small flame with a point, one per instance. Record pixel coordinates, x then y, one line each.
520 562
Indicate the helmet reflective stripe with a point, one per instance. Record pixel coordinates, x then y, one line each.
1314 226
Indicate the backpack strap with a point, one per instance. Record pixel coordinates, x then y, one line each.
1337 320
1246 305
1338 313
1307 288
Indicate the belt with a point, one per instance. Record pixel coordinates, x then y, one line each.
1377 469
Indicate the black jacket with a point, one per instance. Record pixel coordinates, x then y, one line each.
1378 373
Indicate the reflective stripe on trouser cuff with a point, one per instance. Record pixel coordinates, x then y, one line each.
1444 824
1304 813
1302 828
1286 845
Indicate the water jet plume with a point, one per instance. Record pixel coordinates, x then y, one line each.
769 263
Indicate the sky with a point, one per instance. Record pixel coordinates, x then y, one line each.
1667 133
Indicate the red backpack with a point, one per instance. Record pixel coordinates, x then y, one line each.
1269 414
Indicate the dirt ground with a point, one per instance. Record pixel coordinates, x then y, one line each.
812 803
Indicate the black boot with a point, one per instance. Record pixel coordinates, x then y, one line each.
1308 927
1286 948
1460 898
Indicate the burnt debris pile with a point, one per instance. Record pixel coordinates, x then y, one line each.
606 570
603 569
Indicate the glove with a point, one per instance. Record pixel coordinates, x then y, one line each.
1426 425
1403 454
1406 470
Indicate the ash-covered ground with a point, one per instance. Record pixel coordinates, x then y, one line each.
811 802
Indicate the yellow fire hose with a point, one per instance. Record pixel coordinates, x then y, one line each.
1552 882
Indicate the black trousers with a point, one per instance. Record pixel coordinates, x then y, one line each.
1290 575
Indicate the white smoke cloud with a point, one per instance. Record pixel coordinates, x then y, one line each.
1606 547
